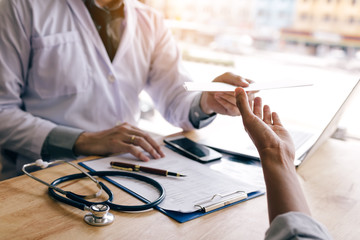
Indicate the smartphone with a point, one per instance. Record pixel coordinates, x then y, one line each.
192 149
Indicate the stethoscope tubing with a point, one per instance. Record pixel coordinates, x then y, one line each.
82 204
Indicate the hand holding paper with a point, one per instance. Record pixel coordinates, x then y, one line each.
224 102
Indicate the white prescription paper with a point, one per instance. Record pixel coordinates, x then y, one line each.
182 194
256 86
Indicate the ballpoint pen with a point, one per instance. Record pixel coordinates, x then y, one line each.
135 167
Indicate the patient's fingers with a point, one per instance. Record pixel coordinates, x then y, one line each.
276 119
267 114
258 107
242 102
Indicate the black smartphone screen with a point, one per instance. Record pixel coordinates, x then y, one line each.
192 149
191 146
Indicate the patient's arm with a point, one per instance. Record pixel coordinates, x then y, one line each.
276 150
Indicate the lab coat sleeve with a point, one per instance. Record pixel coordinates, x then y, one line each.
295 225
59 143
166 78
20 131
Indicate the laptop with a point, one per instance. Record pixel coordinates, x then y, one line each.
306 139
328 131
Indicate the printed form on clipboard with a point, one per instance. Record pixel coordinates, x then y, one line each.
205 187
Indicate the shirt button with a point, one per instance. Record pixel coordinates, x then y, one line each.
111 78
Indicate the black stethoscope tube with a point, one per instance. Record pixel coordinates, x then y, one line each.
78 201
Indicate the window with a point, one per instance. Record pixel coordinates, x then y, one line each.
351 20
303 16
326 18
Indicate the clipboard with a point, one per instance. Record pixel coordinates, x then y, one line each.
221 200
203 207
184 217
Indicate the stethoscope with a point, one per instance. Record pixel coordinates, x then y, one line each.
99 211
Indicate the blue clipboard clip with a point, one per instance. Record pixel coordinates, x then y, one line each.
221 200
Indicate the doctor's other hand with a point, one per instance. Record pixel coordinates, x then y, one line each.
224 102
123 138
265 129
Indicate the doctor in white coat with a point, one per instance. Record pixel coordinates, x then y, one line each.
70 76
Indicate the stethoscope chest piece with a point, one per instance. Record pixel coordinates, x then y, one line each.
99 215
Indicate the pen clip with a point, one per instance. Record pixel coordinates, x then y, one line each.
123 168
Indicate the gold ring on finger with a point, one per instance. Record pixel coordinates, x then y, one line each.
132 140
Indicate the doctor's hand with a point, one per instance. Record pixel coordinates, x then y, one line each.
123 138
224 102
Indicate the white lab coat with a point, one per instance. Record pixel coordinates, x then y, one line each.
54 70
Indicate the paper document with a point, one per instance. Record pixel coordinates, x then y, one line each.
224 87
183 194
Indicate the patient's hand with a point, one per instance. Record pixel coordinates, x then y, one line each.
277 153
265 129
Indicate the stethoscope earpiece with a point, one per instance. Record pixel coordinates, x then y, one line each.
99 215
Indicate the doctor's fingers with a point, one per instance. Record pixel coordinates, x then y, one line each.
133 135
145 141
151 147
133 150
232 79
228 96
229 107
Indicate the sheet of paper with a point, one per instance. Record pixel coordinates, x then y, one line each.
257 86
182 194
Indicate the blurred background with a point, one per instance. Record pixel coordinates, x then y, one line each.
328 29
268 39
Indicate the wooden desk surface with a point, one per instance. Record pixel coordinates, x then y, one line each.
330 179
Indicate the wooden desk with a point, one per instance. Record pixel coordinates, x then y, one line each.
330 179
